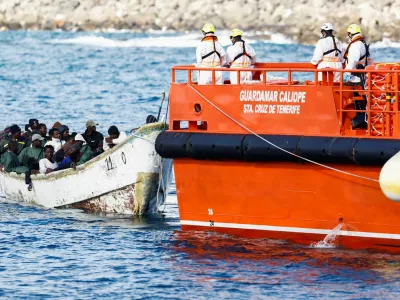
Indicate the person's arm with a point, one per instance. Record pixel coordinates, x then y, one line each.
9 165
353 57
228 56
100 144
252 53
198 55
65 164
88 155
21 156
105 144
222 52
42 166
318 54
121 138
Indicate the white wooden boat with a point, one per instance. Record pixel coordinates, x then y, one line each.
130 178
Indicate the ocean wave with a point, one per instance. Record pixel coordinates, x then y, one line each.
385 43
190 40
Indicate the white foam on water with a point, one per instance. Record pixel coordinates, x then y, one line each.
329 240
190 40
385 43
154 42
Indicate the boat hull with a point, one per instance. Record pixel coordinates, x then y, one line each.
128 179
299 202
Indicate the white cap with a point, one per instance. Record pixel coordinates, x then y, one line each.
327 26
37 137
79 137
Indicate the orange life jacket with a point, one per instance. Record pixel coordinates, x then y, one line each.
366 55
213 38
244 53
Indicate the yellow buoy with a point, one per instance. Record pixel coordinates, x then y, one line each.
389 178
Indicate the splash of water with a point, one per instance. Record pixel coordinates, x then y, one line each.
329 240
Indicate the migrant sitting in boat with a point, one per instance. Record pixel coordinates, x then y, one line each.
93 138
115 137
47 164
34 152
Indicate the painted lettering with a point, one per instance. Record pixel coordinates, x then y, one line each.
289 101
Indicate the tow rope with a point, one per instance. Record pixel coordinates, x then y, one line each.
279 148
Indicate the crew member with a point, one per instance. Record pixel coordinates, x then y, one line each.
357 56
209 54
239 55
328 52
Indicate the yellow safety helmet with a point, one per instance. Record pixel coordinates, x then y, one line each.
236 32
208 27
354 29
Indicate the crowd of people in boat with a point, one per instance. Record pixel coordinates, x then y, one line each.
329 53
38 150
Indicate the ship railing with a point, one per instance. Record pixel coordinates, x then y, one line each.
381 89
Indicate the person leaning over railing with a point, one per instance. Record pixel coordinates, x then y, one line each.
239 55
209 54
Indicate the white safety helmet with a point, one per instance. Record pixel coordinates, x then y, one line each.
327 26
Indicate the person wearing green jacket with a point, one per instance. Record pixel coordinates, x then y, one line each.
9 160
31 155
86 151
15 132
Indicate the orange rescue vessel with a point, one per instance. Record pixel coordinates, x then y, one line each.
288 158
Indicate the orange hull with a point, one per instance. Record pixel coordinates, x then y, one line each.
232 178
296 202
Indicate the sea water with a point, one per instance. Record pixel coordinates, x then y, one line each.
117 79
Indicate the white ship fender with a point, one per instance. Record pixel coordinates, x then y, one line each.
389 178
